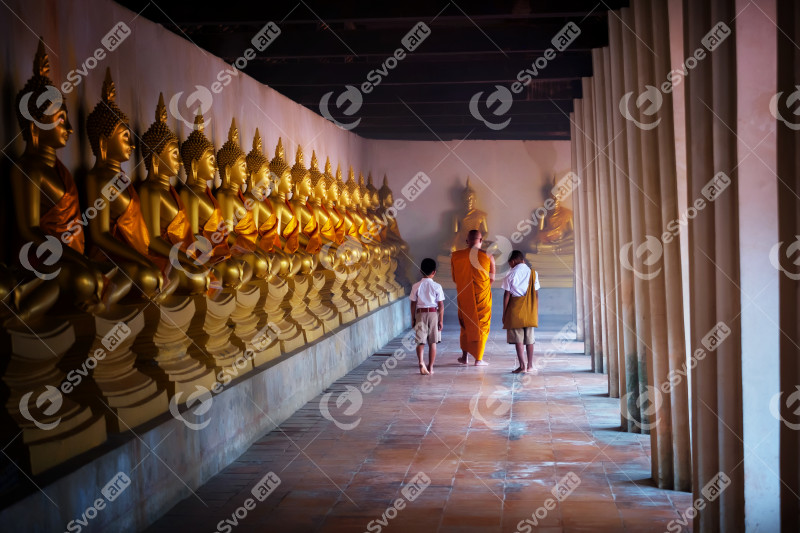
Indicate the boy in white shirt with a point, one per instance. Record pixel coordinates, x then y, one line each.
427 314
520 308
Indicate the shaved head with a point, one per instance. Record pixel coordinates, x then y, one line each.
474 237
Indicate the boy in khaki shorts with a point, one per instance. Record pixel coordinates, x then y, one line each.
427 314
520 308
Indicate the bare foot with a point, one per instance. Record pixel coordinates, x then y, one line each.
481 363
423 370
462 360
519 370
430 370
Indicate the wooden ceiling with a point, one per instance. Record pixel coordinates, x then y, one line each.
457 83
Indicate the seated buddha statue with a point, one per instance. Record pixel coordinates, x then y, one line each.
119 232
471 218
162 207
204 213
288 225
309 236
334 186
243 238
319 199
46 205
358 226
391 231
259 186
555 229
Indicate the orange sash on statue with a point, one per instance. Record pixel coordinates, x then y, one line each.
270 240
178 230
216 231
130 228
327 229
352 230
246 231
312 230
474 299
291 232
62 217
340 227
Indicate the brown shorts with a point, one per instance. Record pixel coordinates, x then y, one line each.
520 335
427 328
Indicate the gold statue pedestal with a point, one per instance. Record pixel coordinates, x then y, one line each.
555 265
299 308
73 428
164 346
290 337
326 314
132 395
212 333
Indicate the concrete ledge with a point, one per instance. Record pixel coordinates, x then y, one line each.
166 459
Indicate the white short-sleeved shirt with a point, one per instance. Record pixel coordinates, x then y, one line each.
518 278
427 293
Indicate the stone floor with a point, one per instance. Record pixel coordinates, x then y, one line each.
468 449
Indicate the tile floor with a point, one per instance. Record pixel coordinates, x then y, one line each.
485 448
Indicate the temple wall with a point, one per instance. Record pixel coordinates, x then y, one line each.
507 175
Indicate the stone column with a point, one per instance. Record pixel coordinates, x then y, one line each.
631 260
658 365
629 384
678 397
585 281
592 221
607 256
578 275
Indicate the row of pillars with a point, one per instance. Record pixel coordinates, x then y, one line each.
689 195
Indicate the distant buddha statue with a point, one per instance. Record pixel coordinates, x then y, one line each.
472 218
391 233
555 229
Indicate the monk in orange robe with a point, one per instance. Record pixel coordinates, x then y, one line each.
473 273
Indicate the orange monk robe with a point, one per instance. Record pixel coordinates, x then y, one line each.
327 230
341 227
312 230
178 231
246 232
65 215
269 231
291 232
474 289
131 229
352 230
216 231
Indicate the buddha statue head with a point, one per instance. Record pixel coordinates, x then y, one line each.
258 170
231 160
341 186
372 192
41 108
281 172
107 127
160 146
301 177
197 154
319 184
331 185
385 194
469 196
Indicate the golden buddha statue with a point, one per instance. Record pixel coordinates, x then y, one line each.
555 232
119 231
288 225
203 210
391 231
472 218
162 207
259 186
351 201
334 188
375 224
309 236
319 200
243 238
47 205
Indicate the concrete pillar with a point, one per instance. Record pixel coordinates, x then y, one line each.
585 282
628 366
578 274
592 219
607 256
